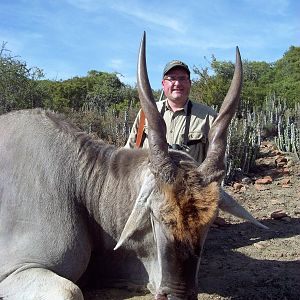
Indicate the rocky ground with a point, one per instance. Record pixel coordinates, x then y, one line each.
241 261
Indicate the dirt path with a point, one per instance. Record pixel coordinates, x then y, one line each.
241 261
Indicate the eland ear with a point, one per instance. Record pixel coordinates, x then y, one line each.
140 210
229 204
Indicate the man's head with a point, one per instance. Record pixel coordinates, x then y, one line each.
176 64
176 83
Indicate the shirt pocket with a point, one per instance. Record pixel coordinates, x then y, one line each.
195 137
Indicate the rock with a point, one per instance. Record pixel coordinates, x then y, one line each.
285 181
278 215
261 245
237 186
243 189
281 161
264 180
285 171
246 180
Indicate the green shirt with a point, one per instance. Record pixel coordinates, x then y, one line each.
202 117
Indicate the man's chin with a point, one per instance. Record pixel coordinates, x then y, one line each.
179 98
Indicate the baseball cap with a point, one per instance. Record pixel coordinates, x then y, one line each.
173 64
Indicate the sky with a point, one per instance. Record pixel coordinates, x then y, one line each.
68 38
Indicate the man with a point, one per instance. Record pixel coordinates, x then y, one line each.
187 122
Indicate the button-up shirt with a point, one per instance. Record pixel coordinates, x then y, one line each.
202 117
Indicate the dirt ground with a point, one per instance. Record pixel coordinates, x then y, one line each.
241 261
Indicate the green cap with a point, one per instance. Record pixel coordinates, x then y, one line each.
175 64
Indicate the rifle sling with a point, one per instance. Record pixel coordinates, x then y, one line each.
140 133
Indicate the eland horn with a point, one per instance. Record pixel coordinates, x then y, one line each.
161 164
213 166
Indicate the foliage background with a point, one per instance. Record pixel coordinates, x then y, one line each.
101 104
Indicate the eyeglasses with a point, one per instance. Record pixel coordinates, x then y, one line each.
172 79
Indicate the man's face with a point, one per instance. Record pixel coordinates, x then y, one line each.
176 85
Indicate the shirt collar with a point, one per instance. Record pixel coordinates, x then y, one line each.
184 107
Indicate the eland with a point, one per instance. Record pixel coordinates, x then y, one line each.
65 197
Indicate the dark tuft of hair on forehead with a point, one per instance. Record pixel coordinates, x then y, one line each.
189 206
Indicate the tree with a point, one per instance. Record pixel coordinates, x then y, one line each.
97 90
261 79
287 76
213 82
19 87
106 89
